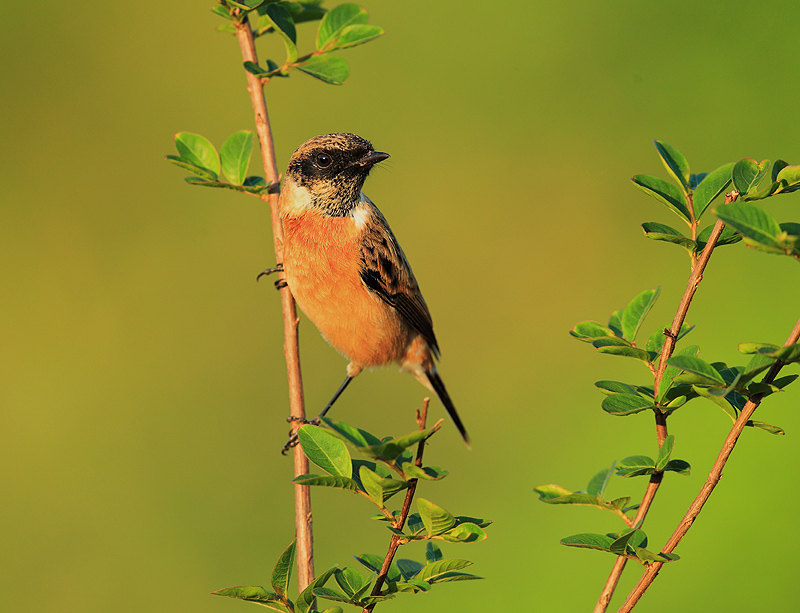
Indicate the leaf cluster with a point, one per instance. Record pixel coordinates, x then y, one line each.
197 155
352 587
690 195
342 27
686 376
759 229
387 468
631 542
373 478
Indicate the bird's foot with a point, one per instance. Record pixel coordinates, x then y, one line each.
269 271
293 438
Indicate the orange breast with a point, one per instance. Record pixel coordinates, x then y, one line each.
321 260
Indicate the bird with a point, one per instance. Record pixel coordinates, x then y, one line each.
346 270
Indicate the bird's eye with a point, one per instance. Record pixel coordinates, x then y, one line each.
324 160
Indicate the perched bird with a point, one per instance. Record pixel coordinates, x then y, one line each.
346 269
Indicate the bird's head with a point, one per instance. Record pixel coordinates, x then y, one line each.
328 172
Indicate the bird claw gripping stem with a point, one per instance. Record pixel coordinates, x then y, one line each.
293 438
269 271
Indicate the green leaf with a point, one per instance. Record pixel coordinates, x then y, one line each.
376 467
282 572
409 568
245 5
555 494
598 483
325 450
223 12
766 427
391 449
331 594
626 404
427 473
454 576
357 34
777 167
197 150
712 186
588 331
758 348
664 452
675 163
656 342
729 236
636 465
343 483
466 532
615 387
306 598
752 221
670 372
615 322
664 192
355 436
310 12
349 579
432 552
696 179
281 19
372 485
370 561
678 466
200 172
662 232
328 68
600 542
380 489
254 593
235 155
771 189
747 174
637 310
648 556
790 175
621 547
626 351
336 20
255 69
436 519
432 571
697 366
788 354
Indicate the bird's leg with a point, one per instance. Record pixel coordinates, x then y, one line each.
293 439
269 271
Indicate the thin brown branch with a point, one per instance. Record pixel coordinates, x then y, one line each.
291 348
396 541
711 482
698 267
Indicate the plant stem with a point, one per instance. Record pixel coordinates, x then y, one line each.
711 482
291 347
698 267
396 540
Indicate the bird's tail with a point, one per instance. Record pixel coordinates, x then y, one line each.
437 385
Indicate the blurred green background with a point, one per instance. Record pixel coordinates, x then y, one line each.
142 381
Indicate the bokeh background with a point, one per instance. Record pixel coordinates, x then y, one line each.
141 374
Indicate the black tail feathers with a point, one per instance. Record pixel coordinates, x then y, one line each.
441 391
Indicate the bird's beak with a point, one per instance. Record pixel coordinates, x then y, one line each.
373 157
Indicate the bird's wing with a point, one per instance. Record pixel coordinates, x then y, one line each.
386 272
